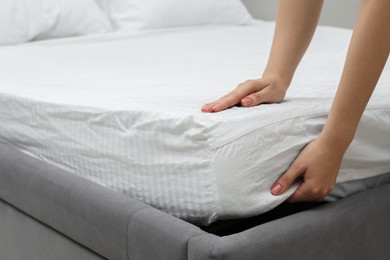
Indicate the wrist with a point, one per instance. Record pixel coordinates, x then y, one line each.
337 143
279 78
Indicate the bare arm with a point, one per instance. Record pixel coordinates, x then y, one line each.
368 52
296 22
366 58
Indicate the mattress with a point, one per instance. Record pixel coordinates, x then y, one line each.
123 110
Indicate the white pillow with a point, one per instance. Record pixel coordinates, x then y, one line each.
151 14
26 20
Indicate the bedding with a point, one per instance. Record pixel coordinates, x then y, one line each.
151 14
123 110
26 20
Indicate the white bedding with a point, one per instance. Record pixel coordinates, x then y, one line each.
123 110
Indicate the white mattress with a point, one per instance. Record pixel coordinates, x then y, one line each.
123 110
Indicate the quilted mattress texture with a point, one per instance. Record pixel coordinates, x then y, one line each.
123 110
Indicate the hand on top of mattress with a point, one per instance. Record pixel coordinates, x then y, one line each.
250 93
318 164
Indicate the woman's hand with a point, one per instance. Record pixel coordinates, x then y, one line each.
318 164
250 93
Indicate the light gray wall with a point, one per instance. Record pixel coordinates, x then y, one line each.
341 13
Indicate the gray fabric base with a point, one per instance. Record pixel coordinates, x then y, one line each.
23 238
118 227
346 189
357 227
109 223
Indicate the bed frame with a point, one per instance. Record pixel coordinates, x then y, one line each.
47 213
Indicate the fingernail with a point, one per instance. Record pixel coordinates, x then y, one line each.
246 102
276 189
205 107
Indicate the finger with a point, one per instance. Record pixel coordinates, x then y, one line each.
299 195
235 96
267 95
231 99
308 191
284 182
257 96
256 99
208 107
221 104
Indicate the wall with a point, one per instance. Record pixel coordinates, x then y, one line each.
341 13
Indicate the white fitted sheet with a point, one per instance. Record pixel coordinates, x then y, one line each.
123 110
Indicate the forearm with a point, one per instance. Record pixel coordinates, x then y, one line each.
296 22
367 55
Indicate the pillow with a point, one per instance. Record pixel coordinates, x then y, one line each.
16 23
151 14
25 20
75 17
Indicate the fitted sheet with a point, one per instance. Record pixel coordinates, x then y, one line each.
123 110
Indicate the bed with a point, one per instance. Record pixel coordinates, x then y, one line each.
106 155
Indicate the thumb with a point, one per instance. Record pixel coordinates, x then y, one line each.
287 179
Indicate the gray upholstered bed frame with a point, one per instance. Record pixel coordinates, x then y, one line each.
46 213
